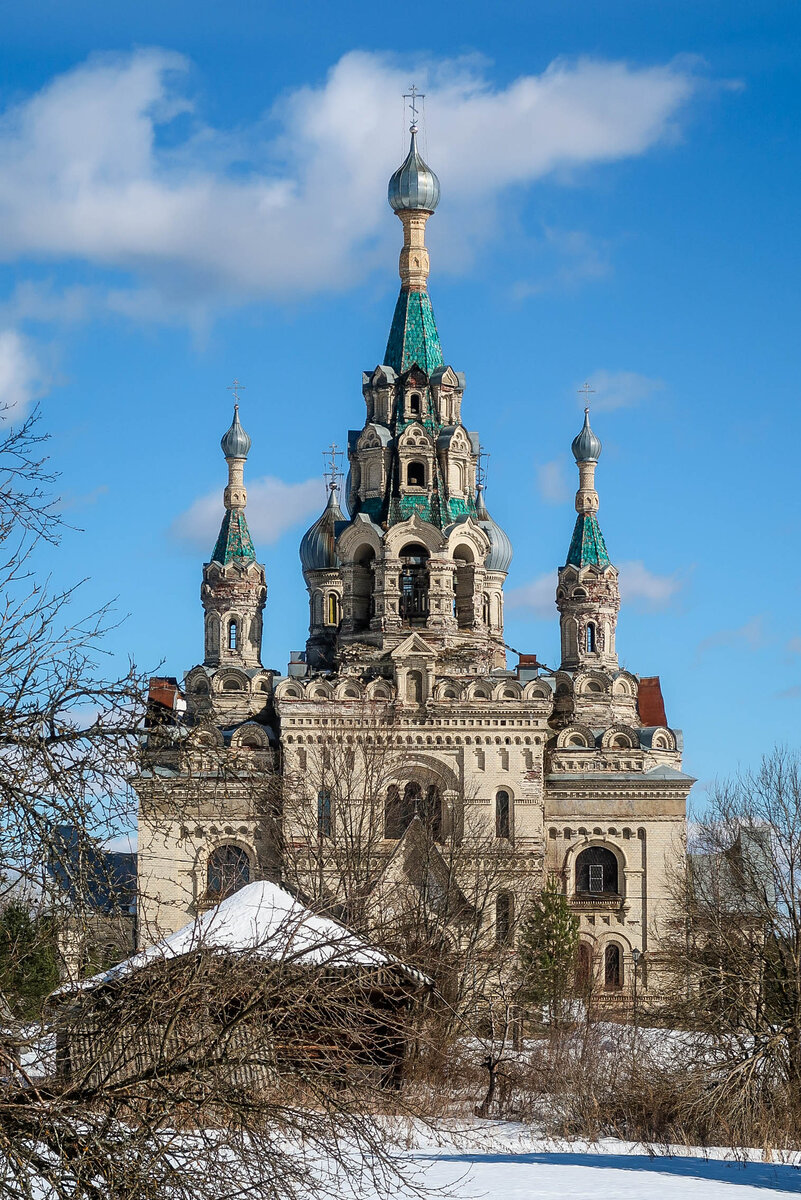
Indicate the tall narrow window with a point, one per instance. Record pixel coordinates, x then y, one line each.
584 966
414 404
324 814
591 638
502 815
504 911
333 609
233 634
414 584
613 977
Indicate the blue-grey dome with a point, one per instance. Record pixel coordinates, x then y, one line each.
318 545
586 446
235 443
500 555
414 187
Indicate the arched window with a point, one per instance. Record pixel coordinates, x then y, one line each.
597 872
324 814
429 808
414 687
504 915
233 634
416 475
591 638
363 598
584 966
613 974
414 404
414 583
485 608
333 609
503 822
227 871
398 811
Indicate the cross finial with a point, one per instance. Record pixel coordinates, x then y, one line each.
331 458
413 96
236 387
586 391
481 466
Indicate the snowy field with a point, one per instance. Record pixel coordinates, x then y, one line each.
507 1163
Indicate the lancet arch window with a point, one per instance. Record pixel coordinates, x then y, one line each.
503 815
414 583
227 870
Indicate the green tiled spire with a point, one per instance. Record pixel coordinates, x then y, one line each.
587 546
413 337
234 541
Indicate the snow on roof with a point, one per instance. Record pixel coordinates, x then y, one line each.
264 920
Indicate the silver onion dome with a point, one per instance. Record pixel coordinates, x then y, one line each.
500 555
586 446
235 443
414 187
318 545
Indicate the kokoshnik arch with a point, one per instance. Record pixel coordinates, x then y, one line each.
572 772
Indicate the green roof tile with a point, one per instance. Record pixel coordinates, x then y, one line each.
587 546
234 540
413 336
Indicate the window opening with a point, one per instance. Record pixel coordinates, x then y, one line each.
414 404
227 871
333 609
502 815
503 918
324 814
233 634
414 583
597 872
590 638
613 979
415 475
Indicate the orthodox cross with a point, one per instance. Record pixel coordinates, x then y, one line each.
481 466
413 96
331 458
586 391
236 387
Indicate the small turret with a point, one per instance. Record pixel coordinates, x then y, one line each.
234 589
500 555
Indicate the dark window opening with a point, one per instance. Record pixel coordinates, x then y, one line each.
414 583
324 814
400 809
504 910
228 870
416 475
233 634
502 815
613 975
584 966
597 872
590 638
414 404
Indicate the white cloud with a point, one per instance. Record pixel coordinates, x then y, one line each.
750 636
552 482
619 389
644 588
295 203
273 508
538 598
22 377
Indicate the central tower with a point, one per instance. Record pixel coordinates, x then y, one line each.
418 552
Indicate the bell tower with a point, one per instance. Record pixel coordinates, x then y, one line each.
587 597
234 591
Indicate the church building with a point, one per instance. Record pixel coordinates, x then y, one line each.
403 730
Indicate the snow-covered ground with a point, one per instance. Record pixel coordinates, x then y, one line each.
504 1162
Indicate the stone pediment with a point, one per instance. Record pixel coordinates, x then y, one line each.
414 646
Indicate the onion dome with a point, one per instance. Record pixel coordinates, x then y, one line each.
318 546
235 443
500 555
586 446
414 187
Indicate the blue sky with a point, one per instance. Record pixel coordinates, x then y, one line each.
194 192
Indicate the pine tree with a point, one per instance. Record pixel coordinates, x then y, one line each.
28 966
548 947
